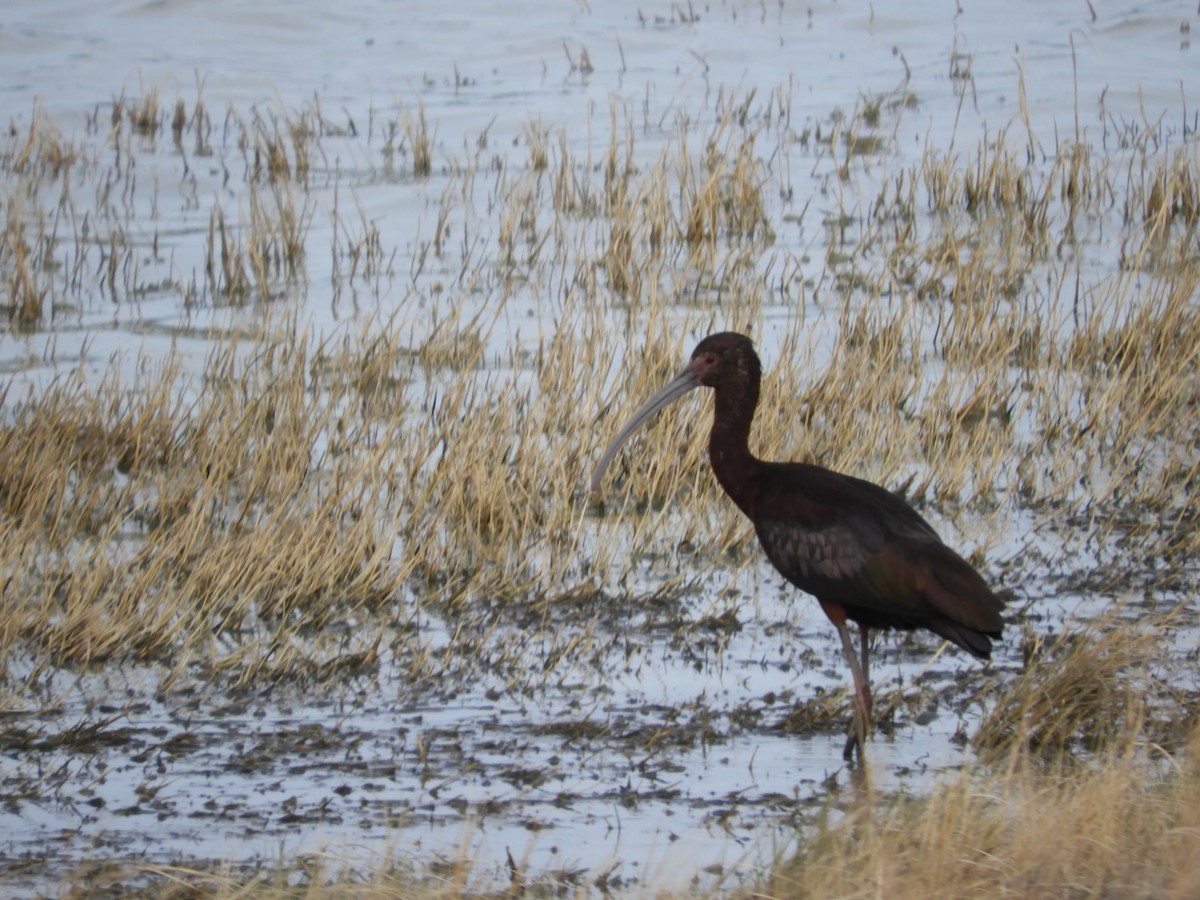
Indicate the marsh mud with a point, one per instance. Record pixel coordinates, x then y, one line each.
709 743
693 749
456 170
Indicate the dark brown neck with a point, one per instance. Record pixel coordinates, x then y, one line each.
728 443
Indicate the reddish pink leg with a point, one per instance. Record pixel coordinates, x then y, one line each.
861 724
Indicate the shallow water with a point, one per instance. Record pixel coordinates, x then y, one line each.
680 762
487 71
664 766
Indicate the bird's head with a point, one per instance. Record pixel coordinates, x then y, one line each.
724 359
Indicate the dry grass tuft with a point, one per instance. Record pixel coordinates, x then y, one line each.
237 527
1079 689
419 142
146 115
1120 826
262 257
27 289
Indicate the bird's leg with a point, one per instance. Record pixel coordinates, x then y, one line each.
860 726
864 703
864 634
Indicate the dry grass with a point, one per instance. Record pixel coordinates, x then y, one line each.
942 364
420 142
235 523
1124 826
1088 786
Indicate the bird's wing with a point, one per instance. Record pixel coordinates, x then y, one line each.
830 533
953 587
819 514
805 551
811 523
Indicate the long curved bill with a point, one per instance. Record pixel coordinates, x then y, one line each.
677 387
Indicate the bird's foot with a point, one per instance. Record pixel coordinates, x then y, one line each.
860 727
852 744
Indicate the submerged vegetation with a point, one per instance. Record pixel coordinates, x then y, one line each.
1008 335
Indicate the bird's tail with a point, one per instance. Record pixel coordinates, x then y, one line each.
977 643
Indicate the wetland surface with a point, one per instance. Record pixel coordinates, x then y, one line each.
417 264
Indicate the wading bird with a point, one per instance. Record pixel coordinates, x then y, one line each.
862 551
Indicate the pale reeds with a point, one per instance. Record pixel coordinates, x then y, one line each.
1123 825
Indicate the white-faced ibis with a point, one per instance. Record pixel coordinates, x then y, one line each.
860 549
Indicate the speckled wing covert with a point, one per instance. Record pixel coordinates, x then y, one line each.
817 524
805 553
